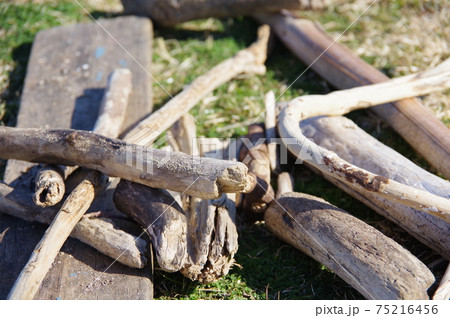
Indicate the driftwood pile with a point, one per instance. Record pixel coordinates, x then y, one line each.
184 196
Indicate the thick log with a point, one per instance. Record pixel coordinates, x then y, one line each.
249 60
100 233
169 13
372 263
339 66
202 177
161 217
341 135
341 102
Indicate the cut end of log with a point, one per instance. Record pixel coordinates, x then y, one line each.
236 179
50 187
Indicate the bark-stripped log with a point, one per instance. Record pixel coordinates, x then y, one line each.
205 177
169 13
162 218
341 102
348 141
254 153
99 233
372 263
339 66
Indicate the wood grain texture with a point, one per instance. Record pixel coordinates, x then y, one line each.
372 263
76 61
351 143
339 66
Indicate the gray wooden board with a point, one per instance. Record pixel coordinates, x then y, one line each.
66 76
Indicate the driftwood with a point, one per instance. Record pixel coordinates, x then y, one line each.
100 233
169 13
50 185
339 66
254 153
162 218
372 263
443 291
249 60
271 133
348 141
112 112
205 177
45 252
341 102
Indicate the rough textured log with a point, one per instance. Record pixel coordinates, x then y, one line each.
249 60
100 233
372 263
339 66
254 153
340 102
202 177
169 13
162 218
50 187
348 141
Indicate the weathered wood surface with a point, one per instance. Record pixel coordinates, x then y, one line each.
76 61
203 177
255 154
341 102
443 291
339 66
372 263
341 135
169 13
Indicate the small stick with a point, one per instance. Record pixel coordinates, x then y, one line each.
341 102
270 123
249 60
351 143
50 180
99 233
443 291
254 153
202 177
375 265
285 184
112 111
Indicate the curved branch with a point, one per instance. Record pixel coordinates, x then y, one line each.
341 102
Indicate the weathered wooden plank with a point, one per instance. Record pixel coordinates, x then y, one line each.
66 76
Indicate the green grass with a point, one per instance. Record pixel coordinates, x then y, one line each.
266 267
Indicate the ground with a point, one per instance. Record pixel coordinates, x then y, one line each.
396 36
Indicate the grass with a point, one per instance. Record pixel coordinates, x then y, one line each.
266 268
